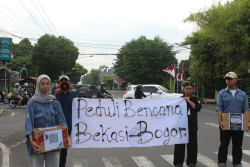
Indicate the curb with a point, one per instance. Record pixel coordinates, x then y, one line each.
5 153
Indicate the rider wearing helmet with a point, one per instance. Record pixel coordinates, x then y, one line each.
138 92
17 93
101 91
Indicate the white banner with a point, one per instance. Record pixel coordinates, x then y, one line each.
105 123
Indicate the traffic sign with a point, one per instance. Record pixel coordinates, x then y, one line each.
5 48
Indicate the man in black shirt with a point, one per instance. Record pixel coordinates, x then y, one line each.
139 93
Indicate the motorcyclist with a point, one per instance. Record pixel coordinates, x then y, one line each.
139 93
101 91
18 93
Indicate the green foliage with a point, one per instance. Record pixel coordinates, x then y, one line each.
92 78
54 55
76 72
222 42
22 61
142 60
108 81
24 48
23 57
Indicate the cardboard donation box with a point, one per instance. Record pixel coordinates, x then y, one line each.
235 121
51 138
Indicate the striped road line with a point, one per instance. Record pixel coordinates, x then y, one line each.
247 152
111 162
170 159
206 161
212 124
217 125
230 158
83 163
143 161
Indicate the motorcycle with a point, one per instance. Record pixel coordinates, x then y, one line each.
13 100
3 98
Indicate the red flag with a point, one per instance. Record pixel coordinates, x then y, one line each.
173 72
168 69
180 74
12 55
183 72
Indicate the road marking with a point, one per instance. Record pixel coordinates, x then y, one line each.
111 162
18 143
212 124
143 161
206 161
83 163
5 153
209 111
230 158
217 125
12 114
170 159
247 152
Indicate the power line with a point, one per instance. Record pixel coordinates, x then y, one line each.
17 17
32 16
95 44
9 33
42 16
47 16
13 21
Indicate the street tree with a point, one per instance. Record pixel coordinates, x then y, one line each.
22 57
17 63
54 55
108 81
92 78
142 60
23 48
221 43
76 72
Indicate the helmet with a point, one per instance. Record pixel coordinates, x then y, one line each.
139 86
25 84
63 77
102 84
17 84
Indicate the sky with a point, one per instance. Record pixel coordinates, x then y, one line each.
101 26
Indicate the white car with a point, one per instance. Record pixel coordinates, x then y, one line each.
150 90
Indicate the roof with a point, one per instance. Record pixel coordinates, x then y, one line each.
29 79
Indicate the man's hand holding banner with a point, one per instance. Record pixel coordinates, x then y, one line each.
102 123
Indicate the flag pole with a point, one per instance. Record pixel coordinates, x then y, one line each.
177 80
170 81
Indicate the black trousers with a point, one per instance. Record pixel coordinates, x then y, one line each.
192 149
63 155
237 139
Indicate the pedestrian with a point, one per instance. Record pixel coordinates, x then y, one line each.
193 106
65 97
139 93
43 110
231 100
101 93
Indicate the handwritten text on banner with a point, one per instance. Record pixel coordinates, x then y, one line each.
128 123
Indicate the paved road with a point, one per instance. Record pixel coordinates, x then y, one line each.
12 136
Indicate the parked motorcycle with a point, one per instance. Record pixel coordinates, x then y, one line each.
3 98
